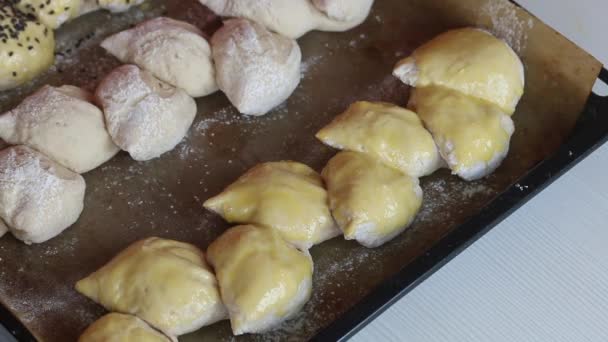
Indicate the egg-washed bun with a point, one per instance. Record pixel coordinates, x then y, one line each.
473 135
118 5
263 279
27 47
286 196
51 13
371 202
164 282
468 60
387 132
116 327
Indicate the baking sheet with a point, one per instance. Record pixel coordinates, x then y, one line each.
127 200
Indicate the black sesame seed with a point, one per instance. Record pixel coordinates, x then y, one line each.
11 53
14 74
51 12
30 47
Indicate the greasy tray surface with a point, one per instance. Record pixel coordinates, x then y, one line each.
127 200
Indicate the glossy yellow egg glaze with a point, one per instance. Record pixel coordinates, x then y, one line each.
392 134
166 283
263 279
286 196
471 61
371 202
473 135
115 327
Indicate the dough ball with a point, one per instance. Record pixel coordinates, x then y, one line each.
166 283
343 14
371 202
145 116
392 134
471 61
63 124
294 18
173 51
290 18
118 5
115 327
51 13
286 196
256 69
28 47
264 280
472 135
38 197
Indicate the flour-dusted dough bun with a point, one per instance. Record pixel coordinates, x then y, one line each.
371 202
28 50
263 280
256 69
164 282
345 13
173 51
294 18
63 124
118 5
392 134
145 116
51 13
116 327
471 61
38 197
473 135
286 196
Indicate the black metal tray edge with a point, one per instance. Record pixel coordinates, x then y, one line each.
590 132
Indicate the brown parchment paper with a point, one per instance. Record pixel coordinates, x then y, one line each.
127 200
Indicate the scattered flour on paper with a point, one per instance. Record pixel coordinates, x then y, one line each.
507 25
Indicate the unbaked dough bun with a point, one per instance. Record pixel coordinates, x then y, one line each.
166 283
38 197
63 124
387 132
371 202
144 115
173 51
471 61
263 279
256 69
286 196
473 135
116 327
294 18
28 47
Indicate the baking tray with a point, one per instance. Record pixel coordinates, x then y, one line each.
558 123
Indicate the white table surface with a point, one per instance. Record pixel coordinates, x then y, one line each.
541 275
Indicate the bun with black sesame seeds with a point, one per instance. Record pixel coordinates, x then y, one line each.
51 13
26 47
